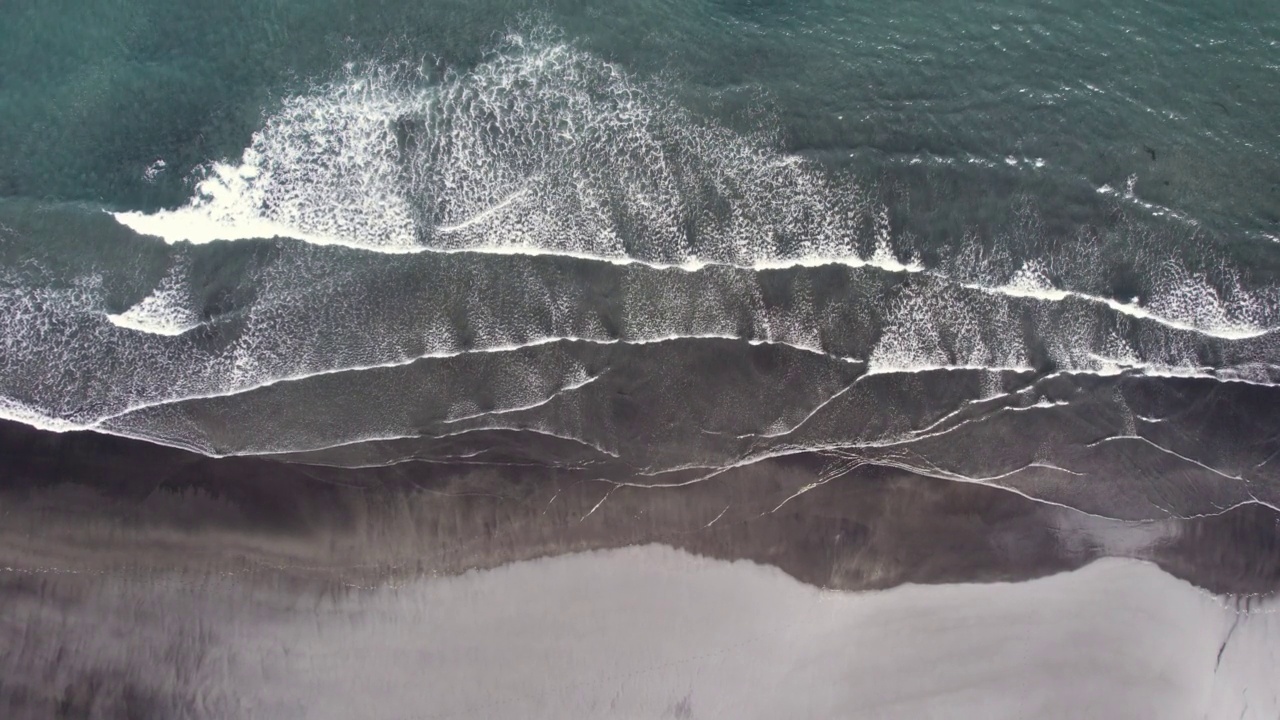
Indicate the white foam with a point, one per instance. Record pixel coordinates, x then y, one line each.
152 320
1189 300
1031 281
545 150
16 411
485 214
913 336
1208 317
321 171
198 225
1188 303
153 170
166 311
888 369
1252 374
542 149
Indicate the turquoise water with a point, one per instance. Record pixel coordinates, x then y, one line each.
1182 95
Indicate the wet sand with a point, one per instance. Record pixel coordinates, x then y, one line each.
142 581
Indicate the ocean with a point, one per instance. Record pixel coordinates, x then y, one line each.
389 314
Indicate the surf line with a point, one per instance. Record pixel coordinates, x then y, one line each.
157 225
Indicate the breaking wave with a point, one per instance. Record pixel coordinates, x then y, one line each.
547 150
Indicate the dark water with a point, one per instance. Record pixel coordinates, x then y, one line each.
316 314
